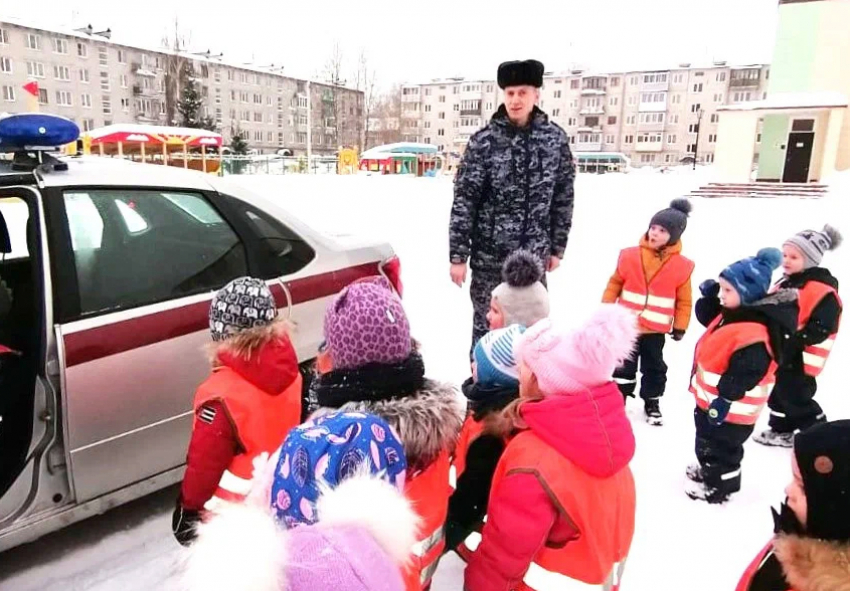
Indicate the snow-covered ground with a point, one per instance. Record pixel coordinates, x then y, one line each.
679 543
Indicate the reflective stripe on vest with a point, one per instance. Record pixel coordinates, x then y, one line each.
810 296
745 411
538 578
655 302
815 356
231 488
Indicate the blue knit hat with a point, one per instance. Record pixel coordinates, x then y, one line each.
329 450
495 363
751 277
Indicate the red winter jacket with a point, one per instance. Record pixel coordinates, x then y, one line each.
592 432
214 441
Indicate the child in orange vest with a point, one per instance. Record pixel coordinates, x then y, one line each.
654 281
494 385
734 366
245 408
562 506
792 404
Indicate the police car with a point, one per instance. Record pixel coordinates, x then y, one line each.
107 269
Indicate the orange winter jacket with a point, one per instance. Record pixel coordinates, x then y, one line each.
653 261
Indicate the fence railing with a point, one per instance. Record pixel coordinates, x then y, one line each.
273 164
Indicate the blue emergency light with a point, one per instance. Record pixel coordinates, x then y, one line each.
28 131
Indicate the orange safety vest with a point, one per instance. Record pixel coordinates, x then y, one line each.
603 510
711 360
261 423
471 431
654 302
815 356
428 492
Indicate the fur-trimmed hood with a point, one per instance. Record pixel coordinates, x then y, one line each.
813 565
427 422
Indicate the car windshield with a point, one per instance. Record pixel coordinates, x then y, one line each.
198 209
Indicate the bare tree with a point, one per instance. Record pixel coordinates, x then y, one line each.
177 70
386 120
332 103
365 82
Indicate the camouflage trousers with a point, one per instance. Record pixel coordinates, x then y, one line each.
482 285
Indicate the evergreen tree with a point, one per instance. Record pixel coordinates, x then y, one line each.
190 106
238 145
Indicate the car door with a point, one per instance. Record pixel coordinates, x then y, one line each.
137 271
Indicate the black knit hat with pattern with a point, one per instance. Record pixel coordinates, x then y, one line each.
823 456
242 304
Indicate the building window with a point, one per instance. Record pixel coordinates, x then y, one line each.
649 138
60 46
4 37
678 78
699 74
556 112
653 97
106 102
442 115
63 98
709 158
612 121
651 118
632 100
35 69
62 72
634 80
693 127
613 101
671 138
609 139
630 120
85 101
629 139
696 108
302 102
125 104
103 56
122 56
691 148
674 119
655 78
721 77
676 99
574 84
88 124
42 96
33 41
698 87
712 138
9 94
647 158
557 94
571 122
104 81
84 76
124 80
441 132
715 117
6 65
614 82
718 97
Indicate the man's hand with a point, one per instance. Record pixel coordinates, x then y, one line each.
458 273
554 263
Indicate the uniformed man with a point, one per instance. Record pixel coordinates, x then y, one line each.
514 189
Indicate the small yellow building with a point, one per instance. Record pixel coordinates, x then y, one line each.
805 127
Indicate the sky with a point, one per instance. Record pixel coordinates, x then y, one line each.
415 41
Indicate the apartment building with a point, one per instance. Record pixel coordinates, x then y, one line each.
86 76
650 116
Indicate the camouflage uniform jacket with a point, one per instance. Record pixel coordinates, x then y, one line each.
514 189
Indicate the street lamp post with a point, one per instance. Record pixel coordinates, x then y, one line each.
696 143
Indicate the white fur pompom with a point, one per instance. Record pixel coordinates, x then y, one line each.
608 337
375 505
241 547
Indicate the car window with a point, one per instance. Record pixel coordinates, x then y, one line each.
15 213
136 247
283 251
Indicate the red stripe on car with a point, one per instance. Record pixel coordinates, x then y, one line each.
117 337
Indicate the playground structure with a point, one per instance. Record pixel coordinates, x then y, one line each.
196 149
402 158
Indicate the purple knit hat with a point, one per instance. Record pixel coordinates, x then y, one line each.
366 324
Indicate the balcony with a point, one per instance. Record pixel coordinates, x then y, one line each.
653 82
590 129
470 112
587 146
649 146
745 79
592 110
140 70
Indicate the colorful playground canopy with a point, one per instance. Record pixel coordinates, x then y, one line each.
154 135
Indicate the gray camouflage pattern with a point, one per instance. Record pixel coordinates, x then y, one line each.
514 189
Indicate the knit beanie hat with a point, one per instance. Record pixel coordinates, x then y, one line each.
751 276
571 362
242 304
674 219
326 451
365 530
366 323
813 244
522 297
495 363
823 455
